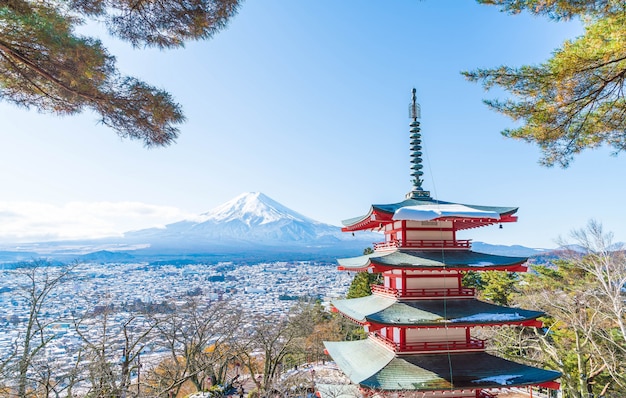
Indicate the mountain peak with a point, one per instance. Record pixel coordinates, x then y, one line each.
252 208
250 223
251 197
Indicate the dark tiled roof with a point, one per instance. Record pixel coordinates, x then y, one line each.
392 207
461 312
363 364
406 258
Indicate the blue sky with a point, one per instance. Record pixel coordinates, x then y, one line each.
307 102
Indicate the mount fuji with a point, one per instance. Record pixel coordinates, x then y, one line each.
250 222
250 226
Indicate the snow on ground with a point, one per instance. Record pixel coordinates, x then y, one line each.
328 379
322 372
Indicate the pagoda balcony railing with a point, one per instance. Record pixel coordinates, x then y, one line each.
424 244
425 346
424 293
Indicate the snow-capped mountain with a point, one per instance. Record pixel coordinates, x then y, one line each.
249 221
251 225
252 208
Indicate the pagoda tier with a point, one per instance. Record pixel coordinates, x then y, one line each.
430 325
374 367
422 212
413 227
376 312
409 259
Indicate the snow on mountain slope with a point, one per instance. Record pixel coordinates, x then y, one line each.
253 219
250 223
252 208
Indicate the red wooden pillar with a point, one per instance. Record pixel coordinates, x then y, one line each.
404 238
404 287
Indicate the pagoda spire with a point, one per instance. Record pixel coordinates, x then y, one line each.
416 153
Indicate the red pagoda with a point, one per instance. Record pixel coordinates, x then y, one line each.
419 320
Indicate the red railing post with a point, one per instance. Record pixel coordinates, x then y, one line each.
423 244
423 292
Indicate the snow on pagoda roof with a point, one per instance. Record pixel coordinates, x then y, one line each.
390 311
366 363
366 221
488 317
432 212
417 259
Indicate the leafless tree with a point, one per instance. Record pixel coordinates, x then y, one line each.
112 342
195 337
606 262
37 281
4 373
269 341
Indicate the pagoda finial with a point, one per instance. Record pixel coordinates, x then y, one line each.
416 152
414 108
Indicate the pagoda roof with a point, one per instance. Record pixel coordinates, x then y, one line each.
431 259
483 215
369 364
385 311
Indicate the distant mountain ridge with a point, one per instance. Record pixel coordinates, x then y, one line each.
250 226
250 218
504 250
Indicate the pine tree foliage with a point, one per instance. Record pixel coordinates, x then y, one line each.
575 100
46 65
495 286
361 284
559 9
499 287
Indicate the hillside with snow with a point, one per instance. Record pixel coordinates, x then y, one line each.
251 221
250 226
252 208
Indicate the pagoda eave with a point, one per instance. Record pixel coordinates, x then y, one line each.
377 218
378 268
464 312
411 259
552 385
509 268
373 366
469 223
373 325
365 268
